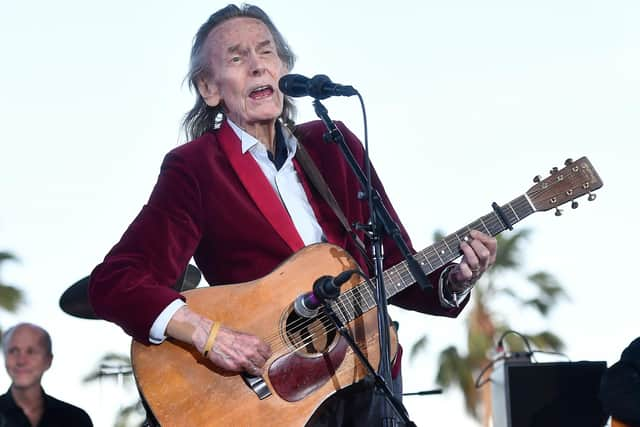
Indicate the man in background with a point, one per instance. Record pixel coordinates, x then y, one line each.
27 354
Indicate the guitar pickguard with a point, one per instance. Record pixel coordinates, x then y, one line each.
295 376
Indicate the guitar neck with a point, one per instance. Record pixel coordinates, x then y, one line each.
359 299
398 277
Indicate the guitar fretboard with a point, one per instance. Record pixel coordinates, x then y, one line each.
361 298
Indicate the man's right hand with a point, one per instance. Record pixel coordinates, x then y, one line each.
232 350
236 351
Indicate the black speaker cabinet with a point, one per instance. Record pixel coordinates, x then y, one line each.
560 394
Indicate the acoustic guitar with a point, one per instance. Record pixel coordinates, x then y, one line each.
310 360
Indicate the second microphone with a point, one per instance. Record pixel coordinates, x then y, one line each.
319 86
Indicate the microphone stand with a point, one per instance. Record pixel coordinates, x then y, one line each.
380 222
379 381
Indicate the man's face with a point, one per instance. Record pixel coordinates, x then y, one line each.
26 358
244 69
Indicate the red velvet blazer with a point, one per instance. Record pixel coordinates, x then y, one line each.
213 203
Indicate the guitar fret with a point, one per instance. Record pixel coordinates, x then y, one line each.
348 307
486 229
367 294
337 309
358 300
496 224
395 278
454 243
425 259
344 309
434 261
407 277
476 225
514 212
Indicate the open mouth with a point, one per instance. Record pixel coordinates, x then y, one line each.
261 92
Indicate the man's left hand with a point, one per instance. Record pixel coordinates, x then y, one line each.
479 254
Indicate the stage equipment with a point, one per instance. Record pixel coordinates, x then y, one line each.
558 394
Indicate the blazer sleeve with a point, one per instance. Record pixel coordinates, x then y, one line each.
134 282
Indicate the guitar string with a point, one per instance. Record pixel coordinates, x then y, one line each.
318 321
316 324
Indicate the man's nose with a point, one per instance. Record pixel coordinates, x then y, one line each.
21 358
257 64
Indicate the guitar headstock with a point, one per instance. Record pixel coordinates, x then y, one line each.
567 184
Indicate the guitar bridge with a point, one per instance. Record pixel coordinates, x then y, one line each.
257 384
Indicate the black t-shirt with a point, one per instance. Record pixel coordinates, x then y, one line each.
56 413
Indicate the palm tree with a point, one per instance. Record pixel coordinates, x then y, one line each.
118 367
10 297
484 322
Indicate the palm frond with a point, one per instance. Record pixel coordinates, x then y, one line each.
479 345
449 367
547 284
541 306
438 235
7 256
10 298
419 346
508 256
547 340
509 291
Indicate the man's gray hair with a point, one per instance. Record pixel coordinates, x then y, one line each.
202 117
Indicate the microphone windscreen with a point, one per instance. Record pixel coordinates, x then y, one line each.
294 85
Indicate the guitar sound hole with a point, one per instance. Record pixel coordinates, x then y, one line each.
310 336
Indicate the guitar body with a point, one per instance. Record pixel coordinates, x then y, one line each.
310 359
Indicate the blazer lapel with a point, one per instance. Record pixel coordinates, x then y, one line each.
258 187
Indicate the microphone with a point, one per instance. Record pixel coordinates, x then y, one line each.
319 86
324 288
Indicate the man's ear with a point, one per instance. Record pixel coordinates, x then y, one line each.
49 362
209 91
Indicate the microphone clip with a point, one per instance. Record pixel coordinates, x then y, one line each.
325 288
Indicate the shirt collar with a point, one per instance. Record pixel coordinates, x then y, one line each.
250 143
12 403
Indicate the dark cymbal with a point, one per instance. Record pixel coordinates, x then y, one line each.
75 300
189 279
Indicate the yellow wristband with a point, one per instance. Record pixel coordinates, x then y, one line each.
212 338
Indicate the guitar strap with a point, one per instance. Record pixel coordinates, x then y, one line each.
316 178
318 181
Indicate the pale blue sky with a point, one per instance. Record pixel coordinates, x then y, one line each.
467 101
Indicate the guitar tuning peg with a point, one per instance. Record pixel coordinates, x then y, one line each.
553 171
591 197
537 179
574 205
558 212
568 161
